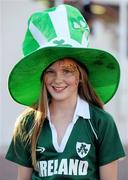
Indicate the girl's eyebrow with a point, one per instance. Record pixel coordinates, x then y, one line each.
71 67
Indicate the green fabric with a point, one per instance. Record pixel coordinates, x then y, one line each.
27 48
77 25
48 42
45 26
53 165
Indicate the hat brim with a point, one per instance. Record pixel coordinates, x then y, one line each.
24 81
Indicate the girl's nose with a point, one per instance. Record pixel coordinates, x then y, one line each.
58 78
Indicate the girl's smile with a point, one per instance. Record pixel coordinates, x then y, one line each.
58 89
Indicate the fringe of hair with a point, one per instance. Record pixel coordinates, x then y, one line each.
40 117
86 91
39 112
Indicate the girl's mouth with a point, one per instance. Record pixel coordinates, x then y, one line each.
59 89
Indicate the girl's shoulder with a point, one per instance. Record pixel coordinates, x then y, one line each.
98 112
100 116
103 123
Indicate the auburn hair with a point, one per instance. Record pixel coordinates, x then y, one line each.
39 111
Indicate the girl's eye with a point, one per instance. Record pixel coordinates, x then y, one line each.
50 72
66 71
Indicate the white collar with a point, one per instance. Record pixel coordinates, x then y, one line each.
82 110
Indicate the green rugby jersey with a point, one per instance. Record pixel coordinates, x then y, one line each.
91 143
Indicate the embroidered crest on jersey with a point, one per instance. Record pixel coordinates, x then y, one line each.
40 149
82 149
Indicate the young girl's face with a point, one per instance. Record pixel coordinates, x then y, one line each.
62 79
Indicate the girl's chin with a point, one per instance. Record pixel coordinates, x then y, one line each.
59 97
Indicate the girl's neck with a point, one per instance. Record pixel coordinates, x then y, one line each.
66 105
63 108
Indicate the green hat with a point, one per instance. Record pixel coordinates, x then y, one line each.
54 34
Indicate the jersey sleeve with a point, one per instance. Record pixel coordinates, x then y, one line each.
110 147
20 151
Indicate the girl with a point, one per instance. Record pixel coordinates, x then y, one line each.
65 133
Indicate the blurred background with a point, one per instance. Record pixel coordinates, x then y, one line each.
108 21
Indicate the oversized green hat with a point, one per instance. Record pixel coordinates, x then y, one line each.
54 34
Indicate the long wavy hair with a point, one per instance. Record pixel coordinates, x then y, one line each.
39 111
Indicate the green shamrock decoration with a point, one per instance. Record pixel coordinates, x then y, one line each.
61 43
79 24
